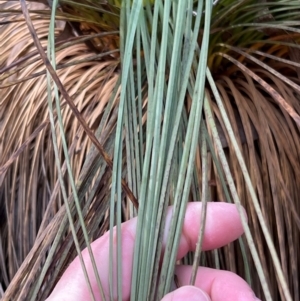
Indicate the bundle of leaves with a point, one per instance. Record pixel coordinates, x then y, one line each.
117 109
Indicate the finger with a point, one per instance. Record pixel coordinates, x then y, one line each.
219 285
184 293
222 226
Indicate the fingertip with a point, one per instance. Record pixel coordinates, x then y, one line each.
188 292
223 225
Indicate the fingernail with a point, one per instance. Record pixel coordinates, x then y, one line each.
197 295
189 293
205 296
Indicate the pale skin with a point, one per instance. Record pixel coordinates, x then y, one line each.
223 225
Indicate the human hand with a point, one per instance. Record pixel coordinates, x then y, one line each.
223 225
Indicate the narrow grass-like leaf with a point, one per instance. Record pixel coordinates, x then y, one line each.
254 198
235 197
204 201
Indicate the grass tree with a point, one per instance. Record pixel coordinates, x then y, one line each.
115 109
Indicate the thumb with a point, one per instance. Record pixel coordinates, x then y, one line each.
184 293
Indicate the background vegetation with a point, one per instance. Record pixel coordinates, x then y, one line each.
145 104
